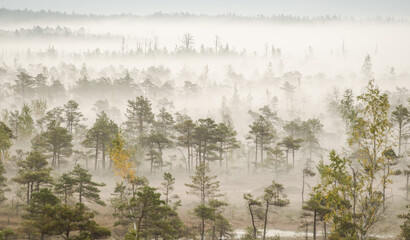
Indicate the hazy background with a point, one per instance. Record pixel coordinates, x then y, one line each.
357 8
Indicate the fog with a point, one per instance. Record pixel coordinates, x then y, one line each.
223 67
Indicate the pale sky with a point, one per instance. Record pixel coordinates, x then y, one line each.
355 8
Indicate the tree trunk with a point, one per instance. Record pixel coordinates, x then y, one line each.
307 229
81 191
28 193
96 153
266 221
103 156
220 156
399 138
253 221
303 186
256 153
314 225
407 187
202 228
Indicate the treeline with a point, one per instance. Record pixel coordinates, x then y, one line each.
22 15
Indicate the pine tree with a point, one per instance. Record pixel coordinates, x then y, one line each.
203 185
139 116
274 196
64 186
84 186
33 173
72 115
185 128
58 142
100 137
401 117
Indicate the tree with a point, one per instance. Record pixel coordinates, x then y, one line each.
33 173
84 186
66 219
6 136
37 221
226 139
26 123
121 158
57 141
292 128
165 122
167 187
292 144
370 135
64 186
221 227
276 158
47 216
347 109
139 116
289 91
156 142
23 85
14 122
185 128
262 132
72 115
204 213
306 172
253 204
274 196
152 217
100 136
205 140
38 107
367 68
316 204
203 185
401 116
187 42
310 129
53 118
338 191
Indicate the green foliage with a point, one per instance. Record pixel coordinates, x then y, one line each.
150 216
203 185
100 136
56 141
46 216
72 115
139 116
6 234
156 142
33 173
6 136
82 184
